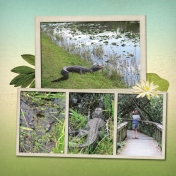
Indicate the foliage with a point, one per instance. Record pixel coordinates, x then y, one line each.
86 103
162 83
160 145
120 146
59 136
26 75
151 110
43 98
29 58
76 120
109 105
38 110
82 105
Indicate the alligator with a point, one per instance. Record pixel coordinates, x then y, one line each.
78 69
93 129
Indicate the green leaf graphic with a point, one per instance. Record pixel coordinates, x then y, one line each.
29 58
23 70
162 83
27 80
16 79
23 80
26 75
32 85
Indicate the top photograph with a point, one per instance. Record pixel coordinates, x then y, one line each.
90 52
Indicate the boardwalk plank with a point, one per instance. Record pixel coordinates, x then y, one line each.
144 146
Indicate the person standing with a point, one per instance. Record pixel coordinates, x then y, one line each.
135 123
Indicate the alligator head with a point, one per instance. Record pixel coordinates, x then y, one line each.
96 67
97 113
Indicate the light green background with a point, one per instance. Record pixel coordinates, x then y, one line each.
17 37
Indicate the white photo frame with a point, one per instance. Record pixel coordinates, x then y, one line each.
160 129
59 19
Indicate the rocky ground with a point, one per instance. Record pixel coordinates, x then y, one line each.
40 116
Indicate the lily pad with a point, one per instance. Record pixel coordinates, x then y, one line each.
162 83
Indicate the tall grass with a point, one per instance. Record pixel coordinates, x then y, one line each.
59 137
39 133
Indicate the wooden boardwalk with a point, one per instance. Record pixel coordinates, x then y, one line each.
144 146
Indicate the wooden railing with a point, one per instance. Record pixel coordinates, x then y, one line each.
122 131
157 126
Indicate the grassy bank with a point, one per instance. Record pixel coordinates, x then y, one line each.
54 58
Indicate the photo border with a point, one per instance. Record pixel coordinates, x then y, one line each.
40 19
115 156
162 157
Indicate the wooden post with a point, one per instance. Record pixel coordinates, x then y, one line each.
125 131
157 134
122 131
120 136
150 130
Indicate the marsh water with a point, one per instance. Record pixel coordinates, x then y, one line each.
115 45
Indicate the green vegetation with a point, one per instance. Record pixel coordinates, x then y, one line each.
81 112
77 121
151 110
42 126
59 137
54 58
120 146
26 75
102 147
157 80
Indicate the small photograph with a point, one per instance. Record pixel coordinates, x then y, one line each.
91 123
141 126
92 54
41 122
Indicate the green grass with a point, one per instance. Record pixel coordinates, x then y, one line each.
37 139
120 146
103 147
59 137
54 58
77 121
36 143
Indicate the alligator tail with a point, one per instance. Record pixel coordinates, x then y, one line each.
84 145
60 79
88 143
65 76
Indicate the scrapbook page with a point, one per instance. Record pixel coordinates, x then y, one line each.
88 88
83 104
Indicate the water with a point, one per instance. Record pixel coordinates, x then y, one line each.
116 45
